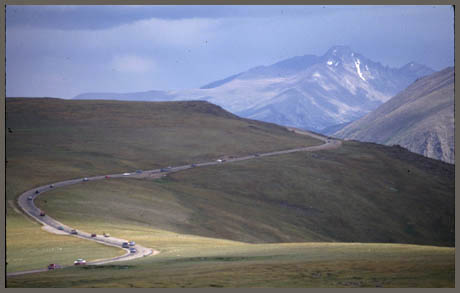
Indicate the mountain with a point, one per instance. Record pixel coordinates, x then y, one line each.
311 92
421 119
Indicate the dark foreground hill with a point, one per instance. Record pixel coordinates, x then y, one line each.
420 118
54 139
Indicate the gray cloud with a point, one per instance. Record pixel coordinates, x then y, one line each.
63 51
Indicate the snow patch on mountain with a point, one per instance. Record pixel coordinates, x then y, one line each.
358 69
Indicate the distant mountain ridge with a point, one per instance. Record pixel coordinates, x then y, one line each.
421 119
310 92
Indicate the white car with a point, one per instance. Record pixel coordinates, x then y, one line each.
85 179
79 262
126 174
219 161
30 197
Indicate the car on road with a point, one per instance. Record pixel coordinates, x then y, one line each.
42 214
126 174
132 243
138 171
85 179
30 197
93 235
79 262
37 192
167 169
53 266
106 234
60 228
107 176
193 165
132 250
51 186
256 155
219 160
125 245
73 231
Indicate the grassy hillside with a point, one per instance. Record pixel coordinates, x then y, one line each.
357 193
29 247
225 225
54 139
191 261
420 118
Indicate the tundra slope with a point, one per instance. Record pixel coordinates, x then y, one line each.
28 206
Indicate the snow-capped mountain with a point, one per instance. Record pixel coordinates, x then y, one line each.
311 92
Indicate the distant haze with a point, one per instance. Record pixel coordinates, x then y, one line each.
62 51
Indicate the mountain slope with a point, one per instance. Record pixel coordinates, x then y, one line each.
338 87
421 119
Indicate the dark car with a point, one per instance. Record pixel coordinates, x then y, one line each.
133 250
60 228
193 165
37 192
93 235
257 155
42 214
107 177
138 171
125 245
51 186
73 231
53 266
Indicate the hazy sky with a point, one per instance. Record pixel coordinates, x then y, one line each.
62 51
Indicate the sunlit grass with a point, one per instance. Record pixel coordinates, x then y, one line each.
29 247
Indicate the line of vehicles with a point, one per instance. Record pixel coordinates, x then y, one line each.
81 262
128 245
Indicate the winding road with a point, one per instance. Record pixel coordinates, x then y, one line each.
26 200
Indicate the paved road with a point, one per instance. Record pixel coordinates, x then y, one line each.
26 200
